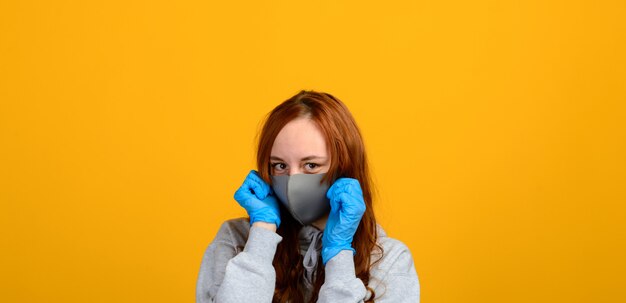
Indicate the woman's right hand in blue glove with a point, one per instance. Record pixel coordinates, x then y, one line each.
257 198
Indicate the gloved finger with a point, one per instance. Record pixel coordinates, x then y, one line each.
331 190
343 187
347 185
351 207
243 194
354 188
335 200
257 185
250 188
338 186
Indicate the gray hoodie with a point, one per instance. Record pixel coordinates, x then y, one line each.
237 267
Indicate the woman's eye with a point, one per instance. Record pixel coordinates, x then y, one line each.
311 165
279 166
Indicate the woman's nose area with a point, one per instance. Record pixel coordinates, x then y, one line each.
294 170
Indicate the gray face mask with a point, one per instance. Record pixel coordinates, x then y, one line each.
303 196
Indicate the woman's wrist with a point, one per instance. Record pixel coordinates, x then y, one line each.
262 241
265 225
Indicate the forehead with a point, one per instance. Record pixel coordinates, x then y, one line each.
299 138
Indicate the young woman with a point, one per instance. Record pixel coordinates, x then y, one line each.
311 235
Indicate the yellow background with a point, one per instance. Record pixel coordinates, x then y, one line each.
496 132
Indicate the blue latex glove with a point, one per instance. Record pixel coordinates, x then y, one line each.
346 209
257 198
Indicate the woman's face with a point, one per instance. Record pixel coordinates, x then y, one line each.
299 148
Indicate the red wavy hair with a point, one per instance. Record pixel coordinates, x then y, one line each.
348 159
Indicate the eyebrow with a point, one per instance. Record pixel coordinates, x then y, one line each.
303 159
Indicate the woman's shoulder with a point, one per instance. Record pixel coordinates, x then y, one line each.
393 274
385 240
395 252
234 231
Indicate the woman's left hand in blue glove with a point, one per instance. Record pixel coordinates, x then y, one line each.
346 210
